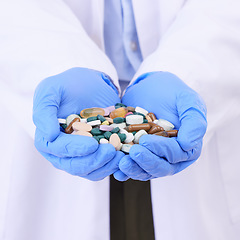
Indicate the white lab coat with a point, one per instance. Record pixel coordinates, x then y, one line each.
199 41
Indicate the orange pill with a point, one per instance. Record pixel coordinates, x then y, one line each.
119 112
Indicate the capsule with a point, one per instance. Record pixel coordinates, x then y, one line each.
119 112
172 133
92 112
162 133
137 127
154 128
152 116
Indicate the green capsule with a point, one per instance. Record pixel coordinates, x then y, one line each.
101 118
90 119
119 120
137 113
63 126
134 132
96 132
115 130
118 105
122 136
101 136
107 135
145 121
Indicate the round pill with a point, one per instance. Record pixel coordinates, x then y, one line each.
166 125
134 119
115 141
80 126
138 135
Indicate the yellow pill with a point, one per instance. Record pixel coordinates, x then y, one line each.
105 123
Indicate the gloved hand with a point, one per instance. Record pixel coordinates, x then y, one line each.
169 98
64 94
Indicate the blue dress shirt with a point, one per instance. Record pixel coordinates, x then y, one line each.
121 40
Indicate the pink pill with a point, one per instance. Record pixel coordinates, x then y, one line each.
106 128
129 113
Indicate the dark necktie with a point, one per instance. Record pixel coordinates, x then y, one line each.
130 210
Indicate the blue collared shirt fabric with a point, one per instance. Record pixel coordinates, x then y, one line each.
121 40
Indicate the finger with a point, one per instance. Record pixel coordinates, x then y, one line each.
66 145
167 148
107 169
82 166
154 165
132 169
192 116
120 176
45 106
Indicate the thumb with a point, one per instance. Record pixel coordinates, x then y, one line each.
45 106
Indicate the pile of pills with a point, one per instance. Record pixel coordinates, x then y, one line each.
118 125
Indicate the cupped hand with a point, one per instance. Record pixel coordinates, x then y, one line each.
64 94
169 98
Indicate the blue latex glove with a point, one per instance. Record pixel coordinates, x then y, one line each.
169 98
64 94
